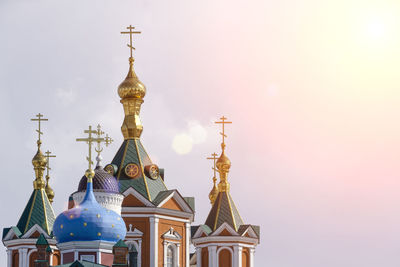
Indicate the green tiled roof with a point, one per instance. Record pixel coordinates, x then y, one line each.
15 229
38 211
191 202
132 151
121 244
224 210
41 240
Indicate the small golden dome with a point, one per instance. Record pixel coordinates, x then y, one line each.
39 160
49 190
223 163
131 87
213 193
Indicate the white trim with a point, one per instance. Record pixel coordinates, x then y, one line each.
149 212
198 232
237 256
212 256
92 258
26 242
180 200
153 241
29 255
172 234
9 257
225 244
187 245
33 229
135 233
76 255
24 252
147 215
198 257
222 248
218 239
251 232
87 245
224 226
10 234
133 192
252 250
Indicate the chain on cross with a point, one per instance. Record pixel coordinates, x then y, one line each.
131 33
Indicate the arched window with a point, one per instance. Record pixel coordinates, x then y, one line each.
225 257
170 257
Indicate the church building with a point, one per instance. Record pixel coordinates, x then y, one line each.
122 214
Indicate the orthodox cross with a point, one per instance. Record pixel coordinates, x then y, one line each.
130 28
214 158
89 140
223 122
107 140
39 120
48 156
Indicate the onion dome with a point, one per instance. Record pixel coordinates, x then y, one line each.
89 221
39 164
49 191
102 182
131 87
214 192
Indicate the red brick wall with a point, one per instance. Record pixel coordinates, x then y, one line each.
107 259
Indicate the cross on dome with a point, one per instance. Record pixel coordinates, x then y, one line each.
131 33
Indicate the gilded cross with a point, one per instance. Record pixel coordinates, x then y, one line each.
131 33
48 156
107 140
39 120
214 158
223 121
89 140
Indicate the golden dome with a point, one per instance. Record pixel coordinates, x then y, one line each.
223 162
131 87
49 190
214 192
39 160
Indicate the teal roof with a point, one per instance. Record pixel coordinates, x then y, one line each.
41 240
38 211
132 151
120 244
224 210
15 229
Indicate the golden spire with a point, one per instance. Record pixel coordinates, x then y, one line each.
131 92
214 191
39 161
223 163
90 140
48 189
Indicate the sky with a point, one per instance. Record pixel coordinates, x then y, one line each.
312 88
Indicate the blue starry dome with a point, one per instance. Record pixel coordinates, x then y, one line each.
89 221
102 182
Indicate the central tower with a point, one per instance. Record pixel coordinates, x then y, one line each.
158 220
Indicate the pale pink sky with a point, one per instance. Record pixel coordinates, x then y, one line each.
311 86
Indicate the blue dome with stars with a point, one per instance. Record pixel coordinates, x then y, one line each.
89 221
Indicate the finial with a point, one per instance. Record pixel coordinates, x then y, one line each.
214 191
131 91
89 140
39 161
131 33
48 189
223 162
